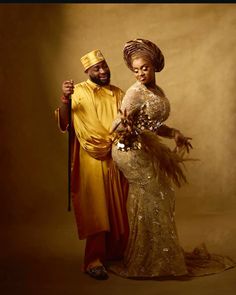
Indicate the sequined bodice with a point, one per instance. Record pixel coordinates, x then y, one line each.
152 113
150 110
147 111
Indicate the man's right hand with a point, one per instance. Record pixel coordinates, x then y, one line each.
68 88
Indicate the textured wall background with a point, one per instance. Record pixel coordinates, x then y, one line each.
41 46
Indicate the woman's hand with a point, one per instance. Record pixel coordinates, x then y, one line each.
181 141
126 121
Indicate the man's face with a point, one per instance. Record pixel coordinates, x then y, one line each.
100 73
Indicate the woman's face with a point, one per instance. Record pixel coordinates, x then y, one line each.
143 70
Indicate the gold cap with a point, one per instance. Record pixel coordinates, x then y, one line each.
91 58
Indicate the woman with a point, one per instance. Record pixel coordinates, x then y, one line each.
151 168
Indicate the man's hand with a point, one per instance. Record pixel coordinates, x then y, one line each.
68 88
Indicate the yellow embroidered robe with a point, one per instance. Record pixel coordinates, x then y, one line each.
98 189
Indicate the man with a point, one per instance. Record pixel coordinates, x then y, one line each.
98 189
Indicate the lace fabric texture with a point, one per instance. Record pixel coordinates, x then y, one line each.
153 248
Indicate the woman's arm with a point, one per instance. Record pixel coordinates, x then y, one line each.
166 131
180 139
132 100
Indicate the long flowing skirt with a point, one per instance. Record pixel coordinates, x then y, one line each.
153 248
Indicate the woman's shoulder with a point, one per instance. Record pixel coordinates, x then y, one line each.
135 88
160 91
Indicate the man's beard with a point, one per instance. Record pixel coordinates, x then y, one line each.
101 82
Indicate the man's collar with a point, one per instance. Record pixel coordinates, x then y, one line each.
92 84
97 87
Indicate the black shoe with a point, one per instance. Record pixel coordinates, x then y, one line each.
98 273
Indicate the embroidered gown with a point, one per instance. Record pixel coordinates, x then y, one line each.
153 248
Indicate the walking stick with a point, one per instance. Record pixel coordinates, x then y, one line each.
69 154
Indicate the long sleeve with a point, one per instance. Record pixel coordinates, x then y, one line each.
165 131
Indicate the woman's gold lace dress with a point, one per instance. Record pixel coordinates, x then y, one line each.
153 248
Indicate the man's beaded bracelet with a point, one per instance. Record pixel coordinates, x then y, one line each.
65 99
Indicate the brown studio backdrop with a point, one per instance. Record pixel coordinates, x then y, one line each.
41 46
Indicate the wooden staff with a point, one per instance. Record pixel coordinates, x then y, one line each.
69 153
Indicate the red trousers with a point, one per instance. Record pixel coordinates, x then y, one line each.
104 247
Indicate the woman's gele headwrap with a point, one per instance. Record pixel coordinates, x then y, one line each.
143 47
